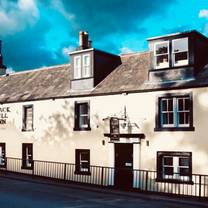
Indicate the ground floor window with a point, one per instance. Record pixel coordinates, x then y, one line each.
27 155
82 157
174 166
2 155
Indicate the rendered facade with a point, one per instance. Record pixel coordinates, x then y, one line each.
139 111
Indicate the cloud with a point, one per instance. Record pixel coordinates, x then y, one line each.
67 50
39 33
10 70
16 16
203 13
125 50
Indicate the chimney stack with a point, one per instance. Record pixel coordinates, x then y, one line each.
84 42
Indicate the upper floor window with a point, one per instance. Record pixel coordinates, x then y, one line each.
77 67
171 53
82 116
161 54
180 51
27 118
86 65
175 112
174 166
82 67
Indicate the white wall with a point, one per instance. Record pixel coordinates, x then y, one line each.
53 137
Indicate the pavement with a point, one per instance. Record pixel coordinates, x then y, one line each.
27 192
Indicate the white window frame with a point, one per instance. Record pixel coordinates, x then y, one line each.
182 111
175 112
176 168
81 161
156 55
86 69
173 53
83 116
77 68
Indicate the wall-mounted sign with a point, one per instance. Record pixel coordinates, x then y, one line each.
114 128
4 114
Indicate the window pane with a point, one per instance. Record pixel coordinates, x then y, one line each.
83 108
180 45
180 104
181 58
181 118
170 118
187 104
83 121
168 170
84 156
168 161
165 118
164 105
162 61
184 171
170 104
77 67
161 48
183 161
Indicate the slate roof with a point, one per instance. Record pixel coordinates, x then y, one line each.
54 82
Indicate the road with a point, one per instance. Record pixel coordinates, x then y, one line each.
26 194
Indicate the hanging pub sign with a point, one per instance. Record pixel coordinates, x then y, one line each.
4 114
114 128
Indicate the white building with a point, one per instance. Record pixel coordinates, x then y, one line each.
155 101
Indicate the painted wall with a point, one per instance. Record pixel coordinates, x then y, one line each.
53 137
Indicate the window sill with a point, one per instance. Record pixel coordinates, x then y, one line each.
170 68
82 129
191 128
27 130
176 181
27 168
81 173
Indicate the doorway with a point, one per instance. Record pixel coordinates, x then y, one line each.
123 166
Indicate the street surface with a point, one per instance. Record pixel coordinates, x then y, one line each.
25 194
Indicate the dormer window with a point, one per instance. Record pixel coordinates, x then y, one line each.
82 67
161 53
77 67
180 52
86 65
171 53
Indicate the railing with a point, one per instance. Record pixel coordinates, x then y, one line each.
143 180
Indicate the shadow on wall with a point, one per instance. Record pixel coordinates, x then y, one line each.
60 126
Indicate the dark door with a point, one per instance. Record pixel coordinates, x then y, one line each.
124 166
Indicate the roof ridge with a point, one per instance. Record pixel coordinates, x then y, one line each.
37 69
134 53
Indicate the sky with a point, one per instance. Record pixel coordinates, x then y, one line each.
39 33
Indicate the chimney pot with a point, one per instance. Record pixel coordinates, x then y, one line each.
83 40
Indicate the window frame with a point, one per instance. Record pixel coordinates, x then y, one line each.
3 147
77 116
85 65
175 177
175 126
24 119
77 67
25 156
173 53
78 162
156 55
